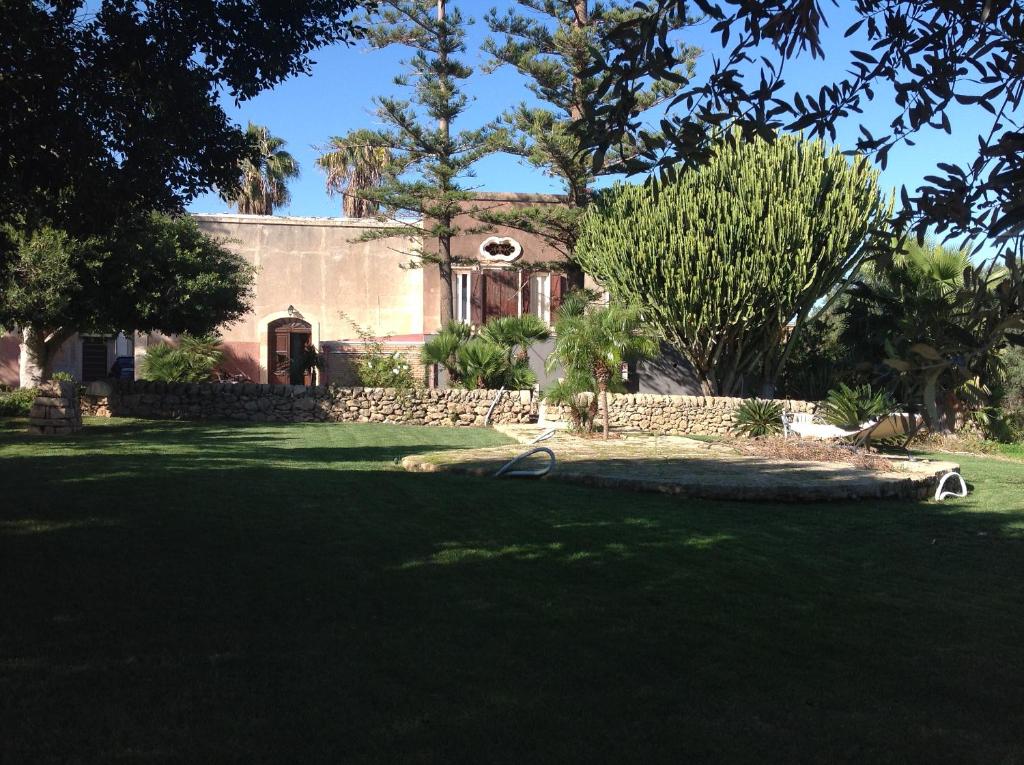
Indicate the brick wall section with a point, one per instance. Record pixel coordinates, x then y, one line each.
674 415
340 362
250 402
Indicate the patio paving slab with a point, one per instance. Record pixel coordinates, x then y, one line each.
690 468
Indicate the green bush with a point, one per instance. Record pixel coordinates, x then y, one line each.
576 394
756 418
849 408
17 403
63 377
497 356
194 359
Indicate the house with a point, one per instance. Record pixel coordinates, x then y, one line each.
320 281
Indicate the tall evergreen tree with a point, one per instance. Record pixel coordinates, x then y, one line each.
430 160
554 44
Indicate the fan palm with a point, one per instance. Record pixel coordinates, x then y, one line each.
516 333
597 341
482 363
263 183
354 164
443 349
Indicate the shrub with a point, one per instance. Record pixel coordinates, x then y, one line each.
194 359
17 403
378 367
63 377
483 364
756 418
497 356
849 408
576 395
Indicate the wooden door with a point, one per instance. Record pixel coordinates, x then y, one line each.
285 342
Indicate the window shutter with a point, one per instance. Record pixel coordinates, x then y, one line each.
559 285
479 289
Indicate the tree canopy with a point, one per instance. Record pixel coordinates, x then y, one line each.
918 57
152 273
263 176
723 257
110 108
555 44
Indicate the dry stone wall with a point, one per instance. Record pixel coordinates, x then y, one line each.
674 415
55 411
249 402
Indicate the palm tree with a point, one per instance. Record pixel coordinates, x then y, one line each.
444 347
516 333
354 164
263 182
593 342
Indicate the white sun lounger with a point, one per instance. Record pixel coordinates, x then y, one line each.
896 424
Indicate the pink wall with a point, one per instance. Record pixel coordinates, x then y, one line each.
9 360
242 358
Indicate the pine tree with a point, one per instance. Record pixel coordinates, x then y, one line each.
420 133
552 43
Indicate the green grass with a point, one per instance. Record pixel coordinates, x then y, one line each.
212 593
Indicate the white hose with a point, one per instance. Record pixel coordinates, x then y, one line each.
506 469
941 495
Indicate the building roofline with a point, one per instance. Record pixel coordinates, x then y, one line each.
514 196
297 220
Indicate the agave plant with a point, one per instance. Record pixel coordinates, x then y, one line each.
849 408
756 418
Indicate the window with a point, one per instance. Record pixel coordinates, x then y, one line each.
463 297
540 296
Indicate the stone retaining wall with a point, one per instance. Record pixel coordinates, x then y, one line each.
675 415
55 410
249 402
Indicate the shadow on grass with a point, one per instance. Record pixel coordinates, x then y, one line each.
169 605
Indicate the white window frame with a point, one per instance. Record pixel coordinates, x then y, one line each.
541 306
464 294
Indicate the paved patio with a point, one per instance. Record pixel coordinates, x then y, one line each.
691 468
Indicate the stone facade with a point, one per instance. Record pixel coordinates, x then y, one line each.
674 415
55 411
251 402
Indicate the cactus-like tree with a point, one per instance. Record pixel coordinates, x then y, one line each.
729 259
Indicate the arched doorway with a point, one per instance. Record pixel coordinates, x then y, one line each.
287 340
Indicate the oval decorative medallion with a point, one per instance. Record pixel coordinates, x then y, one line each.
501 248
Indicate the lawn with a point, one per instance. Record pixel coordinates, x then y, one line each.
212 593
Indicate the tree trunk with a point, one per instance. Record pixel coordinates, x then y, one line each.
603 376
444 267
33 358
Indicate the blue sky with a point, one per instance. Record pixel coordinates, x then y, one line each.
338 96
